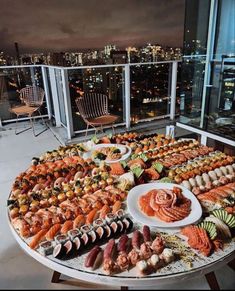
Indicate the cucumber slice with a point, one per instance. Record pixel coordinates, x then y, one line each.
227 218
210 227
230 220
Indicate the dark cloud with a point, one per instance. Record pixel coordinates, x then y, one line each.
56 25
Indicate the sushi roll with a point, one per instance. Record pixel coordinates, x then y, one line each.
73 233
128 223
86 228
61 239
86 240
121 226
110 217
120 213
46 248
78 245
98 222
224 170
115 228
108 231
70 249
59 251
93 236
101 233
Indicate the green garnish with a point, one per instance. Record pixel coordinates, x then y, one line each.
158 167
143 157
137 171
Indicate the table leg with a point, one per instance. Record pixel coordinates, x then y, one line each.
212 281
55 277
124 288
232 264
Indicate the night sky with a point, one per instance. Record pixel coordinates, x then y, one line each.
70 25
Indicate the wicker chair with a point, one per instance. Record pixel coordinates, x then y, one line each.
93 108
32 99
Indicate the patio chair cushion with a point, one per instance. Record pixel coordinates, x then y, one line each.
102 120
23 110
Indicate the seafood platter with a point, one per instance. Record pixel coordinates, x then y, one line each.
110 153
110 222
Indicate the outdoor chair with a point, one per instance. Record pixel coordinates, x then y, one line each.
32 99
93 108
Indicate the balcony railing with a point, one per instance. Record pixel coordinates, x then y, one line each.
137 92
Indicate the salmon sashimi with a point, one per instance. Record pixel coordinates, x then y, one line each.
152 174
144 204
165 204
198 239
116 169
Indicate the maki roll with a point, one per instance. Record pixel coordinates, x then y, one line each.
86 240
110 217
128 224
98 222
101 233
121 226
108 232
115 229
61 239
120 213
70 249
73 233
46 248
93 236
86 228
78 245
59 251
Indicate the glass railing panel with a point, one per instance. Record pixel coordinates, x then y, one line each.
49 82
108 80
150 88
192 81
12 79
220 106
60 95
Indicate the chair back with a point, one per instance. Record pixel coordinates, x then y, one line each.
92 105
32 96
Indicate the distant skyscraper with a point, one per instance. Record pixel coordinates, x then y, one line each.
108 48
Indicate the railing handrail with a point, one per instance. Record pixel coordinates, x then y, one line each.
90 66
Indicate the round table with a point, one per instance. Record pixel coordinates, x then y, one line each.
130 280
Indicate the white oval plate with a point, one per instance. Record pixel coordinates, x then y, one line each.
125 151
138 215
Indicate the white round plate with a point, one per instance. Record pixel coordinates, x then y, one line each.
124 149
138 215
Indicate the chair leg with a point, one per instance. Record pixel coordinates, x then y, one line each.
42 119
86 130
32 123
113 130
16 133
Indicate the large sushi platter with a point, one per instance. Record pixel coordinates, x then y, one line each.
161 209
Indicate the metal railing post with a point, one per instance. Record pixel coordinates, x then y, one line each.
173 90
127 95
67 103
46 89
55 97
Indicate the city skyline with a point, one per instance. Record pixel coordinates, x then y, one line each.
42 26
